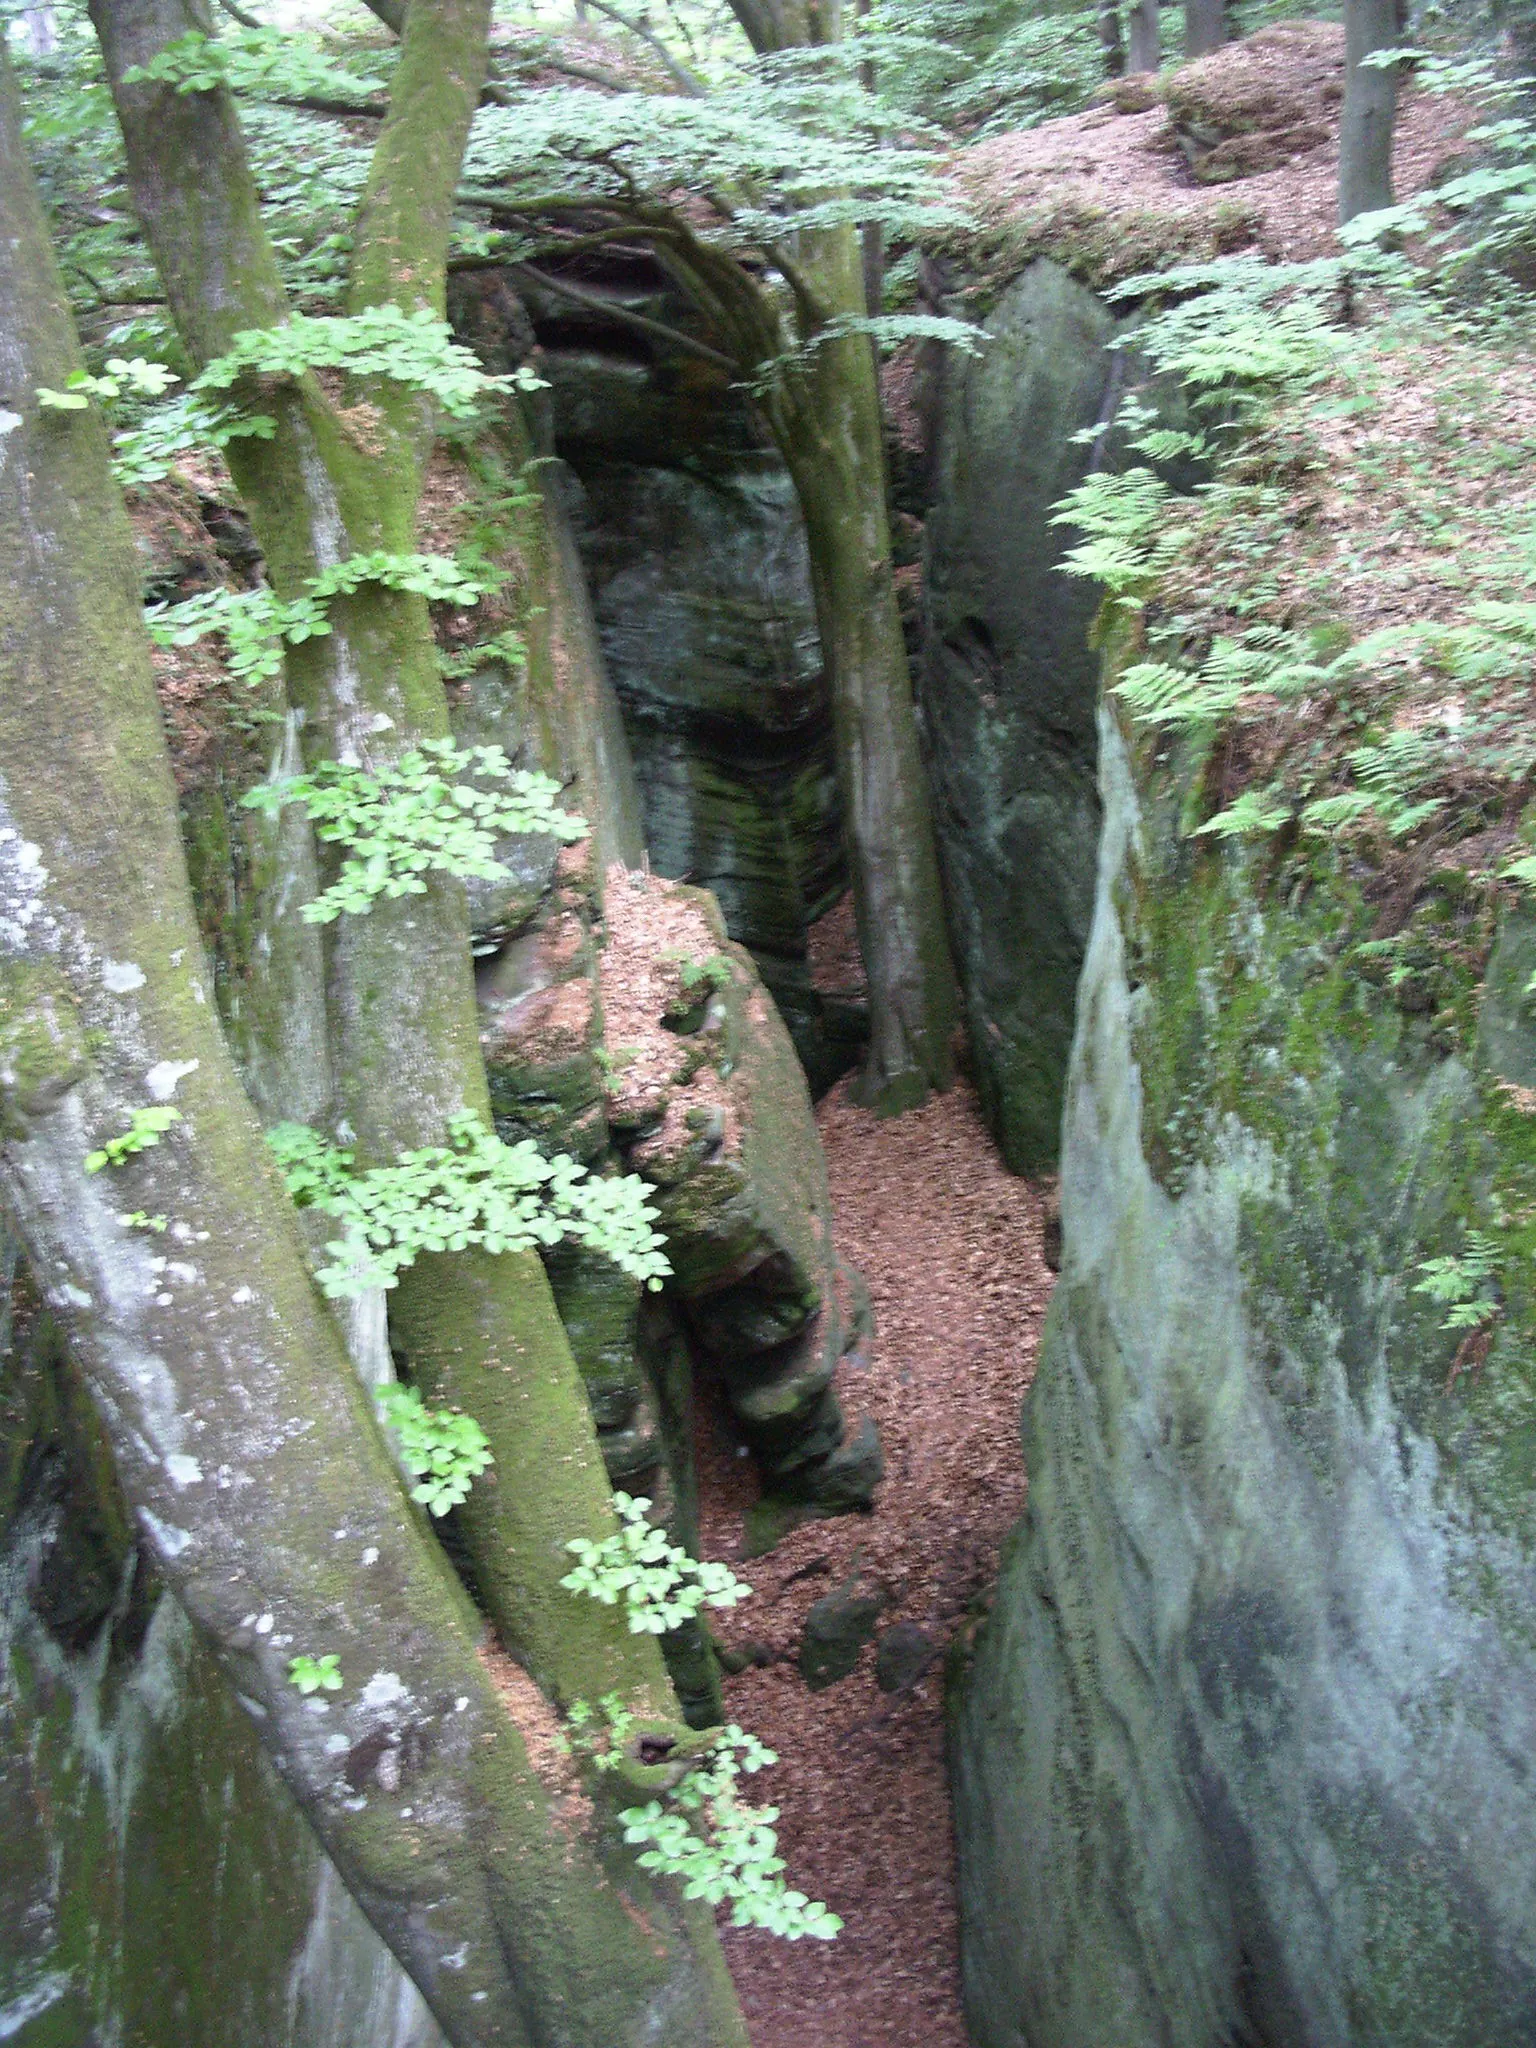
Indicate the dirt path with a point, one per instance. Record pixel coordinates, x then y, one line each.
950 1246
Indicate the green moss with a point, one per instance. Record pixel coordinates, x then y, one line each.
1389 1135
1102 246
42 1047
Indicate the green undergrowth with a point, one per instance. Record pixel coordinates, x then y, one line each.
1328 640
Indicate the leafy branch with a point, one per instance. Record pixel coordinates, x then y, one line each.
400 823
382 341
444 1451
146 1127
1461 1282
256 623
726 1853
134 373
475 1191
315 1674
638 1568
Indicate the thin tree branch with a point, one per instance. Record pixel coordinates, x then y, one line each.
686 80
588 73
600 238
237 13
390 12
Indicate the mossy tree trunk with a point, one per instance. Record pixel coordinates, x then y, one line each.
825 417
1370 107
479 1333
244 1442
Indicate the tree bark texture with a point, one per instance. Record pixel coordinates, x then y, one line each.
1111 38
1370 108
244 1443
1146 36
1205 27
481 1333
826 418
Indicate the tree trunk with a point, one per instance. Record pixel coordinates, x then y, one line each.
480 1333
244 1443
1146 44
1370 107
1205 27
827 421
1111 38
40 26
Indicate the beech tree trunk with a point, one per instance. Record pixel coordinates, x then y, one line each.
826 421
1370 108
1146 36
1111 38
1205 26
245 1445
479 1333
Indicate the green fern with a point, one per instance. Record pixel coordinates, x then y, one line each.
1255 811
1461 1282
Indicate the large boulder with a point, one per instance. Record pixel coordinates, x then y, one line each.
1008 687
1244 1753
708 1102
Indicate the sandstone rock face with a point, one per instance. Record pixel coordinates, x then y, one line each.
708 1103
692 541
1244 1752
1008 686
627 1029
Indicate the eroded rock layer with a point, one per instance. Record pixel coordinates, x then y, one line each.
692 542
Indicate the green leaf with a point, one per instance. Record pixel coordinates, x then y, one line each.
1255 811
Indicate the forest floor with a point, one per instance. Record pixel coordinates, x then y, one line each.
950 1245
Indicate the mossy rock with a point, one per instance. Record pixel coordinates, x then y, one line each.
836 1630
540 1030
1253 105
719 1121
1241 1754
